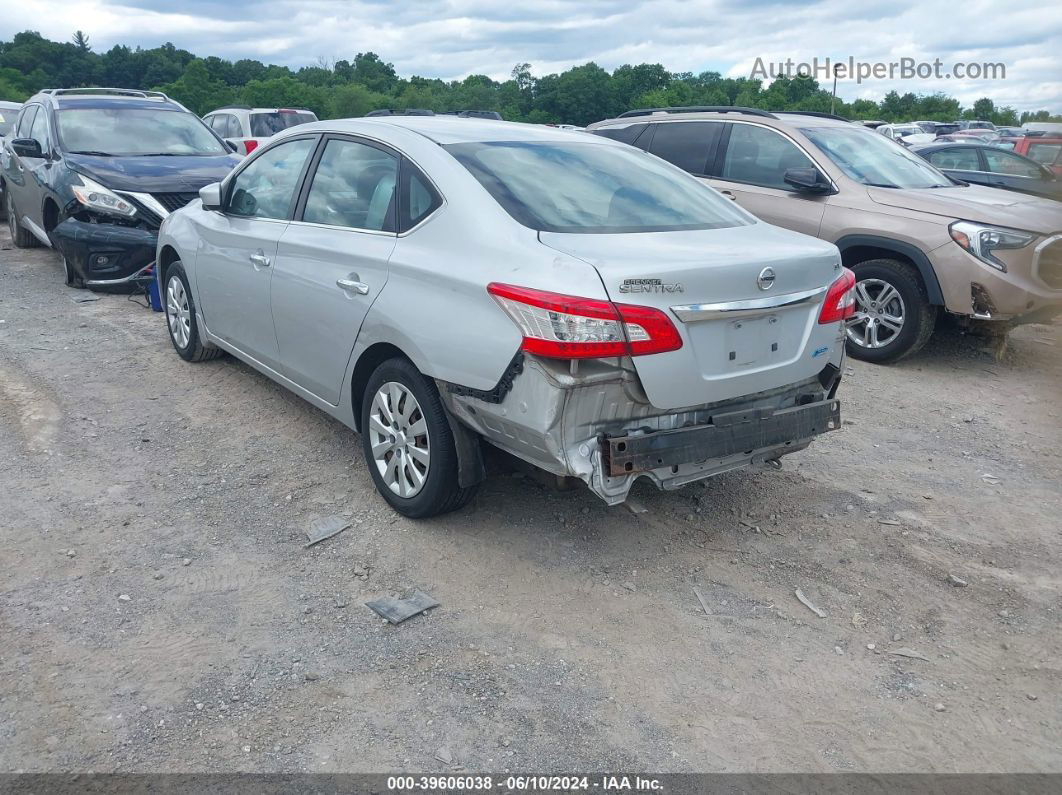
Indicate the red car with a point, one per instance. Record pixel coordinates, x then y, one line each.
1045 150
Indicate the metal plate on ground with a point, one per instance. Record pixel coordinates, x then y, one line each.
398 610
320 529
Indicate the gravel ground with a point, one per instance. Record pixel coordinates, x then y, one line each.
159 611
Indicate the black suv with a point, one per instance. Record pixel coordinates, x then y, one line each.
92 173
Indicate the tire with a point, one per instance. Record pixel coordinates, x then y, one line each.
873 332
387 393
22 238
179 307
73 278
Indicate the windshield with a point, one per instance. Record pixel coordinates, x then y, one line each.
265 124
7 121
593 188
127 132
875 160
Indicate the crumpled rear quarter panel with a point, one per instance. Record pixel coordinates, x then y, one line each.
553 419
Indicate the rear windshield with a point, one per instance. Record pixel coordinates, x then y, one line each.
129 132
265 124
593 188
7 120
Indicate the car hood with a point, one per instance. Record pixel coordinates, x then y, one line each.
181 174
977 203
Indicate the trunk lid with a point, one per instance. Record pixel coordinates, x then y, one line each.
724 354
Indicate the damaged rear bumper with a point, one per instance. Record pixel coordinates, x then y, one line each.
729 433
597 424
105 254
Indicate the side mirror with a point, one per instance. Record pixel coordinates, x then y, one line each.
27 147
211 196
806 180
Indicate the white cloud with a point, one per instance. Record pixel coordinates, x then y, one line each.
454 38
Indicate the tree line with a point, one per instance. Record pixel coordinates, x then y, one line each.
347 88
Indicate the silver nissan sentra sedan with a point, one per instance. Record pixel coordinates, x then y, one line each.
439 282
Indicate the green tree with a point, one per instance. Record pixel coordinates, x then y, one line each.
353 100
984 108
197 91
81 41
373 73
580 96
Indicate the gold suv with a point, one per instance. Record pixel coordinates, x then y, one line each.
917 240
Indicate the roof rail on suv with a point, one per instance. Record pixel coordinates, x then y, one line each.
698 109
818 114
406 112
120 92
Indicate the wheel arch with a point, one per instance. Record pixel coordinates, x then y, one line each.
50 213
860 248
371 358
167 256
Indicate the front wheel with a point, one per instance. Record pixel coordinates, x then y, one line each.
180 317
408 444
893 316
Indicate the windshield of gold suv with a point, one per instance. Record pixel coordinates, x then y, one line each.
874 160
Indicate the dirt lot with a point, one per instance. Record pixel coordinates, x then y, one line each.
159 611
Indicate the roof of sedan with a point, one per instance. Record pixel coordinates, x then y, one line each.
453 129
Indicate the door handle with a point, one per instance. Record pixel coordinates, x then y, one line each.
259 260
353 286
729 195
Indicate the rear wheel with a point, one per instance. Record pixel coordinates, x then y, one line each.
180 318
408 444
22 238
893 316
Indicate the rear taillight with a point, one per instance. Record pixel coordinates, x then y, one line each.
568 327
840 299
251 145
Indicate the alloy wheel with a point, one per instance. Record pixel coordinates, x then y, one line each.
11 221
398 434
879 315
177 312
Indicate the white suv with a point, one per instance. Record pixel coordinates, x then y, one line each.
248 127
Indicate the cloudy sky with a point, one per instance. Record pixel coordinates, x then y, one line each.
454 38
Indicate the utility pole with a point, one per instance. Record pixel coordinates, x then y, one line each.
833 98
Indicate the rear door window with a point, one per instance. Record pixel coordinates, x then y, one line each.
1000 162
266 187
760 156
690 145
354 187
956 159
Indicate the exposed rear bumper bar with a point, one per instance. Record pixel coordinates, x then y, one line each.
727 434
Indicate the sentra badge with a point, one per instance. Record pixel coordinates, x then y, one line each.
649 286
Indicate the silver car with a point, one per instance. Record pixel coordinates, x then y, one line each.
436 282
